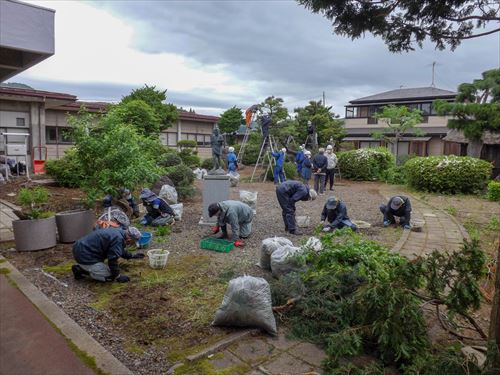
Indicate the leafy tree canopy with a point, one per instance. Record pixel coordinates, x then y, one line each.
274 108
231 120
136 113
404 23
155 99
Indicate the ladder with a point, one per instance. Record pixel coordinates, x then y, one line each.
241 152
268 144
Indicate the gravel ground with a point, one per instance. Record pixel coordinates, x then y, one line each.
362 200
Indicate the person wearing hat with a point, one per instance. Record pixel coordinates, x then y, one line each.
232 162
306 167
320 162
235 213
124 194
397 206
299 159
92 250
279 156
335 215
330 168
289 193
159 212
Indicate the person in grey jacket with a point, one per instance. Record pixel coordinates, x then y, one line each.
235 213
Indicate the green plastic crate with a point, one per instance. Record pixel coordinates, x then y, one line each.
215 244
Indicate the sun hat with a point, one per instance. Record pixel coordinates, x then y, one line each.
134 233
312 194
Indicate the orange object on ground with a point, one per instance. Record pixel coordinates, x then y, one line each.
39 166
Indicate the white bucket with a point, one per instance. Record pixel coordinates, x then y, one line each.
158 258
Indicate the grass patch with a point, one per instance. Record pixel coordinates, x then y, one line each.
451 210
206 367
4 271
60 269
3 260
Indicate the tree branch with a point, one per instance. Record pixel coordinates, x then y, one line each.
467 37
468 18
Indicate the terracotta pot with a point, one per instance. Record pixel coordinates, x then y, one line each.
73 225
30 235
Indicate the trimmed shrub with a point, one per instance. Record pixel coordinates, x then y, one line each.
365 163
171 159
494 191
290 172
207 164
67 171
181 175
394 175
448 174
188 143
190 157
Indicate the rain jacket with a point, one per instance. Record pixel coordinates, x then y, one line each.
234 213
232 163
299 159
336 215
320 162
280 158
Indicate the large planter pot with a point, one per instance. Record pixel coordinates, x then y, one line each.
73 225
30 235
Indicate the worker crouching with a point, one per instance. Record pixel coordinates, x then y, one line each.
159 212
237 214
335 215
397 206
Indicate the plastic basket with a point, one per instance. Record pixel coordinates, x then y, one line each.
215 244
145 240
158 258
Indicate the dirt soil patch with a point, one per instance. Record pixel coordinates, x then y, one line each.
163 315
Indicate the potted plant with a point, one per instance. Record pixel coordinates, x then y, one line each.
36 229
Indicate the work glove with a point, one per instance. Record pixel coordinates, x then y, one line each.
123 279
143 221
137 256
386 223
407 226
215 230
239 243
327 229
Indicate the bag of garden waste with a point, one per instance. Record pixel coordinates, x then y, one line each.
234 178
249 198
198 174
270 245
247 303
313 243
283 260
168 193
178 209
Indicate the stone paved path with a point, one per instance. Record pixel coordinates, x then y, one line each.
6 218
440 230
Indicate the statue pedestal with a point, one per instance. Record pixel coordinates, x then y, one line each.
215 189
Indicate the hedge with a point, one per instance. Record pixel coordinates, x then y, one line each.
365 163
448 174
494 191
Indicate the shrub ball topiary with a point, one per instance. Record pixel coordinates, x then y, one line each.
171 159
207 164
190 157
448 174
494 191
365 163
181 175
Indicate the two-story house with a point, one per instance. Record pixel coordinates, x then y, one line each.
360 122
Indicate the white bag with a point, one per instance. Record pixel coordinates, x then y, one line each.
234 178
247 303
198 174
249 198
168 193
203 173
178 209
313 243
283 260
269 246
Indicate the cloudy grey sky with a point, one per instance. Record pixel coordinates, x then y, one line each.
211 55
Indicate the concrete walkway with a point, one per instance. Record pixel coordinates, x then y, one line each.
7 216
28 343
440 230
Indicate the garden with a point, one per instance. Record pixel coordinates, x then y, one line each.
370 309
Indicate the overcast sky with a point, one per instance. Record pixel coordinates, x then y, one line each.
211 55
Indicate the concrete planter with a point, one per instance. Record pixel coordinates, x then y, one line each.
73 225
30 235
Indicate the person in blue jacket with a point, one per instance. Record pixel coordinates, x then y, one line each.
92 250
335 214
397 206
289 193
232 162
159 212
306 167
279 176
299 159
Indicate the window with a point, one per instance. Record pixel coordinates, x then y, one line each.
369 144
362 112
426 108
20 121
55 135
349 112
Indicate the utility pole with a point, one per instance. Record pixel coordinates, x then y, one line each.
433 66
324 104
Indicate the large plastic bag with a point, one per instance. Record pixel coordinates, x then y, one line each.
247 303
283 260
178 209
234 178
204 172
198 174
269 246
249 198
168 193
313 243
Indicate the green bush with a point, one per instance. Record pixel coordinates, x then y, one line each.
494 191
188 143
448 174
190 157
207 164
252 149
67 171
290 172
181 175
34 201
365 163
171 159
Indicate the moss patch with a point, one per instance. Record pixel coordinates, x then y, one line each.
206 367
3 260
4 271
60 269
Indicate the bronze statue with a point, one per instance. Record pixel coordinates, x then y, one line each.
217 141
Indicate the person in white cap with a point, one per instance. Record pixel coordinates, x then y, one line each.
232 160
330 168
397 206
299 159
92 250
279 157
307 167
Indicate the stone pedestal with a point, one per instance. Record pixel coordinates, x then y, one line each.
215 189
